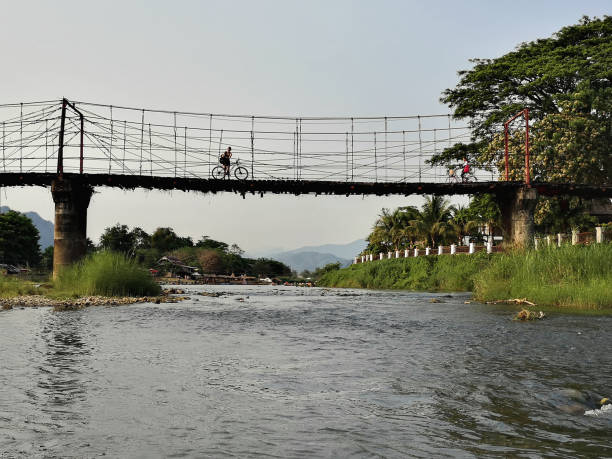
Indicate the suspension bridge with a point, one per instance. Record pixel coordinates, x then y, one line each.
74 146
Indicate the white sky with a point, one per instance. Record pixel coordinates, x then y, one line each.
315 58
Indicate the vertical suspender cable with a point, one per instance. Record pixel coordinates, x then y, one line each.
404 152
420 148
124 136
434 152
150 152
21 136
175 162
252 146
295 149
375 160
209 143
346 142
300 152
46 142
386 150
185 160
141 140
449 130
220 142
352 150
110 149
3 146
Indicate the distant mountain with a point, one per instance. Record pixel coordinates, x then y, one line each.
45 227
346 251
308 260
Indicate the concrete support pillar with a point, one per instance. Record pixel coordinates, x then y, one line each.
574 237
549 240
517 215
489 247
472 247
381 256
440 250
355 261
397 254
416 252
536 243
427 250
388 255
598 234
70 237
371 257
406 254
559 239
453 249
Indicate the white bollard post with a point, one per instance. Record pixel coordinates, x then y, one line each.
416 252
406 254
355 262
472 247
549 240
536 243
381 256
489 247
362 258
453 249
559 239
397 254
388 255
440 250
371 257
574 237
598 234
427 250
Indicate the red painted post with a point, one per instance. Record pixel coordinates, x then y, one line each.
527 176
506 151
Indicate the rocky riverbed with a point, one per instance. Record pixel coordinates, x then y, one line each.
62 304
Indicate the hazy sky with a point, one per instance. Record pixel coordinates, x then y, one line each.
263 57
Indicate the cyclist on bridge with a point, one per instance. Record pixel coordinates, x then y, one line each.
224 159
465 170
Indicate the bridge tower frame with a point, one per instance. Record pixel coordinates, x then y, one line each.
525 114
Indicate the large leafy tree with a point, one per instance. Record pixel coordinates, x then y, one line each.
18 239
566 83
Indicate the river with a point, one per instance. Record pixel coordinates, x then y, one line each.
299 372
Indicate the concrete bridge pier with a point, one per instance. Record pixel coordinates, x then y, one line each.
517 208
70 238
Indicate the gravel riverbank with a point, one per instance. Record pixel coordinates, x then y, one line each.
37 301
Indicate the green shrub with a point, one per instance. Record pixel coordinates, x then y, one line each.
106 274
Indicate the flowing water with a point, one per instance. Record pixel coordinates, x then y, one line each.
298 372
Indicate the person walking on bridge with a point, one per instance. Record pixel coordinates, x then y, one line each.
225 161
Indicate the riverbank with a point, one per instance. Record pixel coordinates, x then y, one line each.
578 277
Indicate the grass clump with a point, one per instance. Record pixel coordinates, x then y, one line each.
11 286
570 276
106 274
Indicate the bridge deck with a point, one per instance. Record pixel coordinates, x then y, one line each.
298 187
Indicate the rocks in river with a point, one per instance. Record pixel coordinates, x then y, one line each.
70 304
525 314
174 291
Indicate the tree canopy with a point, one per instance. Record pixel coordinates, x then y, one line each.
18 239
566 83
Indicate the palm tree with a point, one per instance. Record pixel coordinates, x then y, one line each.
463 222
433 223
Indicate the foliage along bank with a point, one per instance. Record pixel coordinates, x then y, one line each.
569 276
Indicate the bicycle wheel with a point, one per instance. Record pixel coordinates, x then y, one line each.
241 173
218 173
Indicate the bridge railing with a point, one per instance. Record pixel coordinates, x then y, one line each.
129 141
452 249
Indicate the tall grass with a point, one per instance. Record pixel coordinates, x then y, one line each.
106 274
11 286
571 276
446 273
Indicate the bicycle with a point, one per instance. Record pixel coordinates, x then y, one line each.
240 172
454 176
